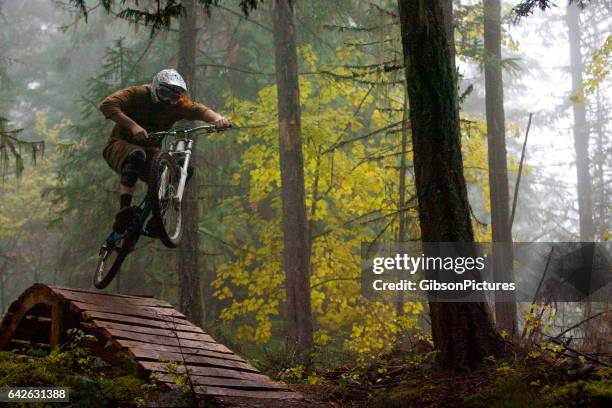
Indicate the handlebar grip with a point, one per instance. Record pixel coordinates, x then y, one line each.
157 136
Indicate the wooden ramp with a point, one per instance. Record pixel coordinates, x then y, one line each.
150 331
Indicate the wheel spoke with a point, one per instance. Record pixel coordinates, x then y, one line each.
166 207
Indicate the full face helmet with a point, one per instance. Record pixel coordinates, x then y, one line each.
167 87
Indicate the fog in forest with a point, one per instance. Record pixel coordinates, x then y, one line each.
58 195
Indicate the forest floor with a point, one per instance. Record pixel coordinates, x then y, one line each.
529 381
534 379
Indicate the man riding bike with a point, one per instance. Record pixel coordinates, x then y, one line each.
138 111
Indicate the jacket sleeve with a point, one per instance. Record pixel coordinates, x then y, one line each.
192 110
116 102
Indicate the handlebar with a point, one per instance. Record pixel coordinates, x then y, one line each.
159 136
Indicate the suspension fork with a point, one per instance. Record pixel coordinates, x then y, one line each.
184 147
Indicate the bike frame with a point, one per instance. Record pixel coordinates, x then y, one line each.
181 149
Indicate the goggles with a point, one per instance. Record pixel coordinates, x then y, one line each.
169 94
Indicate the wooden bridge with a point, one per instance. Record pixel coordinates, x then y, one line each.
150 331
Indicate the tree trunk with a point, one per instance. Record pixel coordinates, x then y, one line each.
296 247
581 130
449 26
401 236
505 310
190 299
462 332
2 281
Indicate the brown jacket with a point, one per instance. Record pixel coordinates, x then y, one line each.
136 103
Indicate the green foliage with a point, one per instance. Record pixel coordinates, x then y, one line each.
510 388
528 386
340 181
469 33
162 16
72 367
12 146
351 160
180 378
538 319
25 243
120 68
526 7
504 384
599 67
580 394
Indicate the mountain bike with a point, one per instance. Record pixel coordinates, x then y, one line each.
167 177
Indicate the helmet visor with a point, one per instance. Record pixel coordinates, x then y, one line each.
169 94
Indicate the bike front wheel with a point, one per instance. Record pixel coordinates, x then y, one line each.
164 179
109 262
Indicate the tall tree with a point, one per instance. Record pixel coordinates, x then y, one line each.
190 298
505 310
401 235
462 332
449 25
581 129
296 260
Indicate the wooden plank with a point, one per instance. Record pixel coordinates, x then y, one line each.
168 341
203 351
105 298
145 354
139 321
41 319
56 326
229 392
154 313
225 382
125 308
156 331
150 299
54 287
156 366
148 330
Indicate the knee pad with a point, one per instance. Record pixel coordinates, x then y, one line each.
131 168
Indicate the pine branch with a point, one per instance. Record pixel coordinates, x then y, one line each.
526 7
165 11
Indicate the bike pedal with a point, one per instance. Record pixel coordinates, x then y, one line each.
114 238
111 241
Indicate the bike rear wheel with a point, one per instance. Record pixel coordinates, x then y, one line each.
164 179
110 260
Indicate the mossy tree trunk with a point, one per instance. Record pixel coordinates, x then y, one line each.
505 307
296 259
190 298
462 332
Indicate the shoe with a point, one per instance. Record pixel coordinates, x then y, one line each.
123 219
152 228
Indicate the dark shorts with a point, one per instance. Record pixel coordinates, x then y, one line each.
117 150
